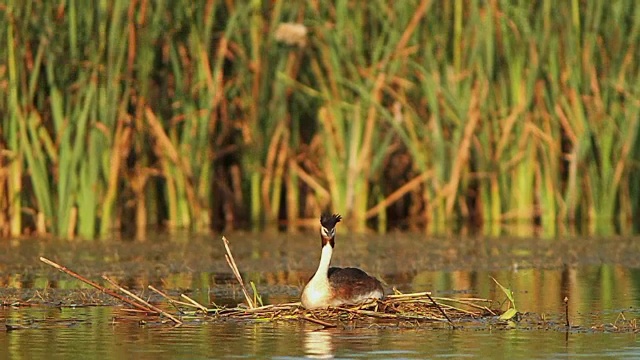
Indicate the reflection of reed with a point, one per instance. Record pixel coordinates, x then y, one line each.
318 344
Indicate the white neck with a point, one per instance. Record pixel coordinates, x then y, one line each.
317 292
325 261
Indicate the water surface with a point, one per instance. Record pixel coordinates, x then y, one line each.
600 277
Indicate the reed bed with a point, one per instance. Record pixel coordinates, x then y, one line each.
208 114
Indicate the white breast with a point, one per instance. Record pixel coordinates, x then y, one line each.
316 294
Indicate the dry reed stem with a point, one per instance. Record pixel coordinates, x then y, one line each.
468 302
411 27
319 322
274 150
121 144
462 156
277 155
95 285
137 298
195 303
411 295
407 300
161 136
383 315
265 308
441 310
171 301
311 181
168 149
413 184
463 310
232 264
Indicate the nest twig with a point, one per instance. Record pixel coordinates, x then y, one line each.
417 308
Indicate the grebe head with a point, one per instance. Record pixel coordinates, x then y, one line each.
328 228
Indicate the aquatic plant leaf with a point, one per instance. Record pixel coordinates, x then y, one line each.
506 291
256 297
512 311
509 314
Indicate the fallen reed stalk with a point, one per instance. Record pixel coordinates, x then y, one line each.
408 296
145 303
168 298
97 286
195 303
383 315
484 309
319 322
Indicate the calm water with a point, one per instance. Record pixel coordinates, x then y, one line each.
92 336
601 278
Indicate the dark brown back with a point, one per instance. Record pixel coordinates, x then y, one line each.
349 282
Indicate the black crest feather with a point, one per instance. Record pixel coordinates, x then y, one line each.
329 221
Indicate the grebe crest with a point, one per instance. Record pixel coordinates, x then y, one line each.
332 286
328 224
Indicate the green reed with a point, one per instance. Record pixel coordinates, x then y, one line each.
186 133
261 109
13 185
353 71
186 113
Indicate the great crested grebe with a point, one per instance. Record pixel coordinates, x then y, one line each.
332 286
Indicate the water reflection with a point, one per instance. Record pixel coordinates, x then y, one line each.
318 344
91 333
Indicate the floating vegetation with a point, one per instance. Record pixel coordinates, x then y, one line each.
511 311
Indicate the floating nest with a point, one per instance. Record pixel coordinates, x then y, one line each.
415 308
